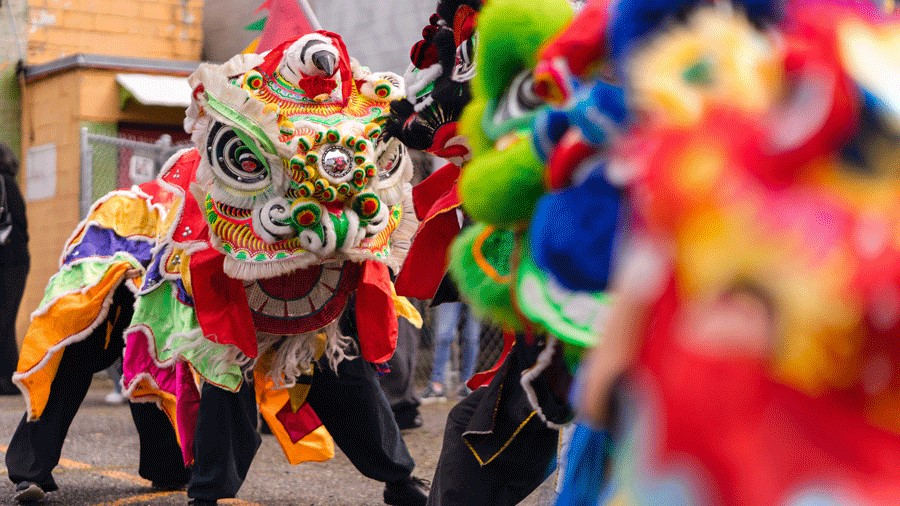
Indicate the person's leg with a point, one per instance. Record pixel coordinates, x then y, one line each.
525 464
446 322
459 478
399 384
356 412
36 446
12 285
225 442
160 456
471 337
507 479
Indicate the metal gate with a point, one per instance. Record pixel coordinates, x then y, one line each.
143 159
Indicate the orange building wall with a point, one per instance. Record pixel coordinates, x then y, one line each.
166 29
55 107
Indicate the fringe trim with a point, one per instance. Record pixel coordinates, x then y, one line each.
172 161
251 271
395 189
128 390
338 347
18 378
529 375
294 356
402 238
419 81
239 64
218 360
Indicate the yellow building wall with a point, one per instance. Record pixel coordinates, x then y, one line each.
53 111
165 29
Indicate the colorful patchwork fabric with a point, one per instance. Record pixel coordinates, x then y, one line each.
759 165
248 247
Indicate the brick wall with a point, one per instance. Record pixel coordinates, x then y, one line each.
166 29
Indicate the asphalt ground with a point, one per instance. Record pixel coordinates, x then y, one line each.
99 464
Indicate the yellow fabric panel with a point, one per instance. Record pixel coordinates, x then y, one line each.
126 215
70 319
405 309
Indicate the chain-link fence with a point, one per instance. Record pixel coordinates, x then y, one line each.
110 162
490 347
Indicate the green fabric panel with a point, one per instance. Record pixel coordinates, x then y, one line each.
74 278
568 316
175 327
106 160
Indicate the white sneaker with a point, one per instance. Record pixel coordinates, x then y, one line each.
115 398
435 392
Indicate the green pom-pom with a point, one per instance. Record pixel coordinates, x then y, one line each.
502 187
510 33
478 260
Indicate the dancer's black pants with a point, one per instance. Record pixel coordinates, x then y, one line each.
36 446
513 474
399 384
350 404
12 286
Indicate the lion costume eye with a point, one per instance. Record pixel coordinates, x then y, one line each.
236 159
390 158
464 70
519 99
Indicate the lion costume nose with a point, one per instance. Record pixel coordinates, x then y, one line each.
325 61
272 221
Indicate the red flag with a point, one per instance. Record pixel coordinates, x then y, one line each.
286 20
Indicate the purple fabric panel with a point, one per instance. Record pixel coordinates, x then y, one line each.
104 242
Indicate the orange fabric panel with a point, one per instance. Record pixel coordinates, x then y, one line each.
67 320
146 391
317 446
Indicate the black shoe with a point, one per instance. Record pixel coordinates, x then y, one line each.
408 419
202 502
410 491
28 493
